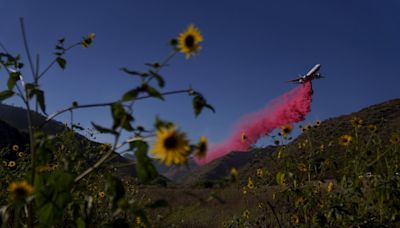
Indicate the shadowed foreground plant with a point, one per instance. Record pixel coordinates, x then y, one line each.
67 174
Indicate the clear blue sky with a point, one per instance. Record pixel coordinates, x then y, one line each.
250 49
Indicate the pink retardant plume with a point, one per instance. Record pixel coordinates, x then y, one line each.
289 108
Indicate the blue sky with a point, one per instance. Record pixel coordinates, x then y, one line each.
250 49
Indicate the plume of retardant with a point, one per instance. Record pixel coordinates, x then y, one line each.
289 108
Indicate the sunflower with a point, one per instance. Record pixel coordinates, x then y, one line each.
295 219
243 137
138 220
330 186
15 148
4 163
246 214
234 174
299 201
201 148
345 140
356 122
11 164
317 123
259 173
171 146
372 128
302 167
395 139
244 190
20 189
250 183
101 195
88 40
276 142
286 129
188 41
280 179
21 154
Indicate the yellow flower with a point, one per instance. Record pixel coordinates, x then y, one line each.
15 148
246 214
395 139
105 147
234 174
299 201
308 127
101 195
356 122
21 154
243 137
88 40
11 164
244 190
280 179
286 129
295 219
201 148
250 183
373 128
276 142
44 168
317 123
345 140
260 173
20 189
4 163
138 220
330 186
171 146
188 41
302 167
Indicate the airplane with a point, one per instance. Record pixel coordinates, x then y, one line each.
311 75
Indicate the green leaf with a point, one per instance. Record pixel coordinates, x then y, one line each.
121 117
144 166
199 102
6 94
12 80
30 89
159 78
116 189
80 223
104 129
46 214
61 62
130 95
153 92
40 99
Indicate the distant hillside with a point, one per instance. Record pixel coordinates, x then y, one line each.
220 168
14 130
385 115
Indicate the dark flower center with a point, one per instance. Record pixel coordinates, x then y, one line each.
20 192
202 147
171 142
189 41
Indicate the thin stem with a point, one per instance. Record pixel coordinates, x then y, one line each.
273 212
52 116
21 20
54 61
101 161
